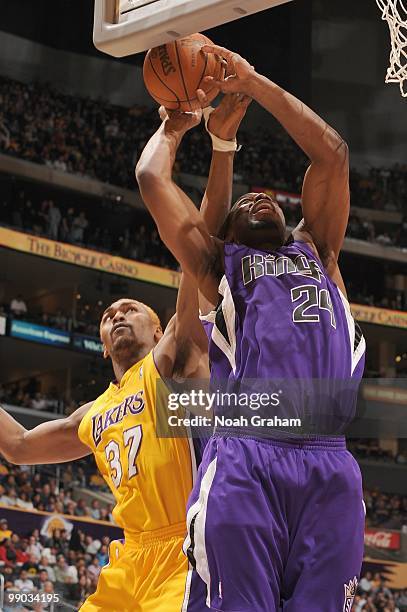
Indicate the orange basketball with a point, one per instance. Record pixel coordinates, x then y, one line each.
173 72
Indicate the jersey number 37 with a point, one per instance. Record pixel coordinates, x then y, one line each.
131 442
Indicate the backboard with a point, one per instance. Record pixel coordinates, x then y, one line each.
124 27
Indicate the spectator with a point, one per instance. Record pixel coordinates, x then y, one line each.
54 220
24 502
79 226
94 569
44 565
62 572
81 509
18 306
34 548
47 589
24 583
31 566
79 592
5 532
67 224
95 509
103 555
39 402
366 583
8 554
92 545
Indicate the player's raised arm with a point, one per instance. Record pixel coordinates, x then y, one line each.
51 442
183 349
222 124
326 184
179 223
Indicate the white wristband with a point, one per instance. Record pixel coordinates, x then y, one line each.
218 144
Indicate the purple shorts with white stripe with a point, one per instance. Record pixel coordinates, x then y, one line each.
276 525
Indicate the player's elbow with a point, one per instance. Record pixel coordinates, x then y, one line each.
147 177
338 151
342 151
11 455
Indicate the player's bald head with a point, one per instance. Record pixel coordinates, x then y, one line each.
124 303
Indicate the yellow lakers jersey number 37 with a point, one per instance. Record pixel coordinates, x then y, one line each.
150 477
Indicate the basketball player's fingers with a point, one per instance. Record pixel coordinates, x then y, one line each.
194 116
162 111
225 53
229 85
229 69
202 98
198 114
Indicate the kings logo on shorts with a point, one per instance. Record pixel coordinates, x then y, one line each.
350 592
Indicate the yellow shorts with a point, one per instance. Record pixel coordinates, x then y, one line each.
145 574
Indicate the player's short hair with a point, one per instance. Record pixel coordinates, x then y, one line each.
224 229
155 319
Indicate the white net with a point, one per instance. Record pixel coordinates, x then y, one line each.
395 13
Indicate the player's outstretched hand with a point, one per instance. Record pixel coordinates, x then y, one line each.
180 122
225 119
241 72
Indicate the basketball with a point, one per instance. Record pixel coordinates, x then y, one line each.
173 72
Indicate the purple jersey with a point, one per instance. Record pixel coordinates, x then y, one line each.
282 318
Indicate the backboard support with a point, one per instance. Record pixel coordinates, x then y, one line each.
124 27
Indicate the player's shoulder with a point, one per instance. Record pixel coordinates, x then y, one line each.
145 372
303 234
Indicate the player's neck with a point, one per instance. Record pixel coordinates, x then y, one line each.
120 366
270 245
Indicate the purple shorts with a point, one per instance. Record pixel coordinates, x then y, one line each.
275 525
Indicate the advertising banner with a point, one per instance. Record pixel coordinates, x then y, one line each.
89 344
380 316
78 256
39 333
23 522
382 538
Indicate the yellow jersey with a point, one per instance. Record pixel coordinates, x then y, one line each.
150 477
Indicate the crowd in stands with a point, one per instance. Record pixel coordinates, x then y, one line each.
65 563
374 596
116 229
33 393
38 488
58 565
28 393
385 510
84 321
383 234
96 139
381 297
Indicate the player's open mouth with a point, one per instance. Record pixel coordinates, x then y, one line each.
261 208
